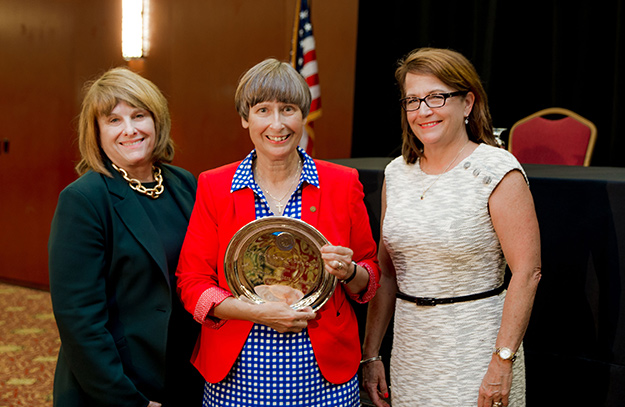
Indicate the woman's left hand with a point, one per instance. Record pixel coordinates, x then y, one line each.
495 388
338 260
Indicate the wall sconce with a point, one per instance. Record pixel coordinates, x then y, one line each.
135 28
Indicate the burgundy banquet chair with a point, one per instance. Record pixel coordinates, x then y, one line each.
569 140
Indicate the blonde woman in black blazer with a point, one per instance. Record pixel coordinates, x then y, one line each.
113 251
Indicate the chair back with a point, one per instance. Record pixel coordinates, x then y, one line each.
565 141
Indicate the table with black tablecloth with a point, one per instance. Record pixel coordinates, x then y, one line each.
575 342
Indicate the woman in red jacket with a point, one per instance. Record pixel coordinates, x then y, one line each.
253 354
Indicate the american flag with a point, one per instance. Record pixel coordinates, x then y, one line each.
304 59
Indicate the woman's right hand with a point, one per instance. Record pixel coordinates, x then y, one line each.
281 317
374 379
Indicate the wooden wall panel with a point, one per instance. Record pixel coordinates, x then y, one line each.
36 109
48 49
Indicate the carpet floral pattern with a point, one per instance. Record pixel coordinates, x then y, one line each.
29 345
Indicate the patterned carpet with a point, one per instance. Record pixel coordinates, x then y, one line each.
29 345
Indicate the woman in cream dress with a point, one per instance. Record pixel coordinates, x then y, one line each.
456 209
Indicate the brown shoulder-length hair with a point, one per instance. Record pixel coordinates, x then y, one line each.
271 80
455 71
101 97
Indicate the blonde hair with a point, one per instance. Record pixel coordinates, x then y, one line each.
455 71
101 97
272 80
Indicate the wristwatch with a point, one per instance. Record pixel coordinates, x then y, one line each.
350 278
505 354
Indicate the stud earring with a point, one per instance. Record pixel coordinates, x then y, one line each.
466 120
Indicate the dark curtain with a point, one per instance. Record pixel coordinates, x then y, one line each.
530 56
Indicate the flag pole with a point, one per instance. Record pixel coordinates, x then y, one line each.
295 30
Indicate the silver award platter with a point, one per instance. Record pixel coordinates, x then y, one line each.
277 258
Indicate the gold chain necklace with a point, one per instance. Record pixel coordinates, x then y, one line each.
444 171
278 202
137 186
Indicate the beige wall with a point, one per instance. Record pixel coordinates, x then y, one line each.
48 49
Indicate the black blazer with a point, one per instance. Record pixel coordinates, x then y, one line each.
112 298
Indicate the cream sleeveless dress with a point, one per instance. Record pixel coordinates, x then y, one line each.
445 246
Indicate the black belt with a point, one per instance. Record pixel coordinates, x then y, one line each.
430 302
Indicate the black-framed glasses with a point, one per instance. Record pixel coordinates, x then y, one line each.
412 103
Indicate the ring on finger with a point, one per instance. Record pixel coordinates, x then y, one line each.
497 404
339 265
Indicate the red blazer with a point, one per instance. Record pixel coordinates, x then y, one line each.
336 209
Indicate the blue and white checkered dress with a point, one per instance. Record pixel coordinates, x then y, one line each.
278 369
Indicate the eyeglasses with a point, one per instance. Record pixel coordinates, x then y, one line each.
412 103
